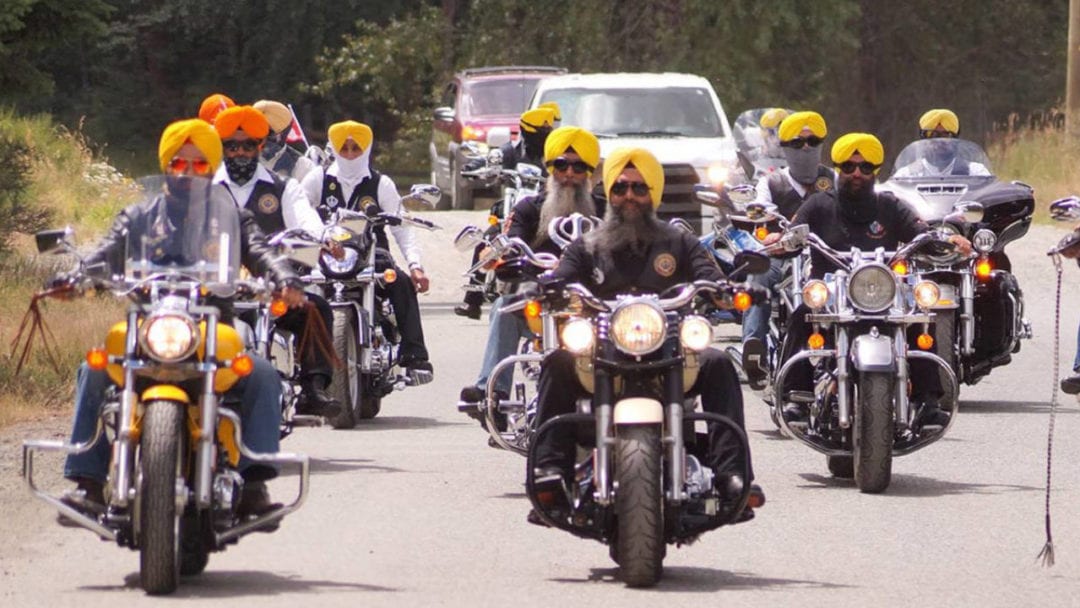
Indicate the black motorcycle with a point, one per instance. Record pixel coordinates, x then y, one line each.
643 485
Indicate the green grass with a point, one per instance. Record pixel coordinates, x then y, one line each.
1047 160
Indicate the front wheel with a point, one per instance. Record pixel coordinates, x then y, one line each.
639 537
160 460
945 342
345 384
873 433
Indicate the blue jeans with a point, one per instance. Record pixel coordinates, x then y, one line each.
260 417
756 319
504 334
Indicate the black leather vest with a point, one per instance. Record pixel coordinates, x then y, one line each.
363 196
787 199
265 204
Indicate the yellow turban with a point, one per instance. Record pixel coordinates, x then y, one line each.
864 143
358 132
276 113
245 118
771 118
795 123
194 130
212 105
554 106
651 170
533 120
583 142
945 118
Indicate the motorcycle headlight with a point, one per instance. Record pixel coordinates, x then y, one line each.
695 333
169 337
872 288
984 240
637 328
927 294
577 336
346 267
337 233
815 294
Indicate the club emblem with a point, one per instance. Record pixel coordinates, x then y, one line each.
664 264
268 203
823 183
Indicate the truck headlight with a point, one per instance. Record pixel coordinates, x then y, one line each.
577 336
695 333
169 337
718 174
638 328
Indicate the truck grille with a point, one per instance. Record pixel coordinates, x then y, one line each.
678 199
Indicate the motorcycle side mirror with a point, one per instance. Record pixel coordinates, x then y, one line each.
471 149
1065 209
525 170
795 237
683 225
497 136
443 114
750 262
468 238
425 195
970 211
760 212
495 157
706 195
54 241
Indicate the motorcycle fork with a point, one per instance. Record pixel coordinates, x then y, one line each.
673 392
843 392
124 447
208 419
967 315
369 306
901 403
605 439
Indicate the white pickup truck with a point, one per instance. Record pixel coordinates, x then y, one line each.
677 117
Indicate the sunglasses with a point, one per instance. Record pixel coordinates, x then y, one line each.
866 167
561 164
927 134
813 141
199 166
249 145
639 188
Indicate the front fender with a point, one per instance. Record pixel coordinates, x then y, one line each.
638 410
873 354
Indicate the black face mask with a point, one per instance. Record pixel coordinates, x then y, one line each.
534 142
858 206
241 168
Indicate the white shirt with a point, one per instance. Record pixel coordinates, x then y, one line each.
389 202
764 195
296 210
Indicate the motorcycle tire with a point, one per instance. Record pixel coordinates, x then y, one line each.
160 463
841 467
346 384
946 341
370 405
873 432
193 553
639 537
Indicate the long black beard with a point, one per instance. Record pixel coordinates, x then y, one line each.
561 201
860 205
621 232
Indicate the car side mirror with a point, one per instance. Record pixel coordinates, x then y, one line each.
54 241
444 114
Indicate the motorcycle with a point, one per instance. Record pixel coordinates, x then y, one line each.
364 333
860 415
643 485
510 422
173 487
980 319
758 153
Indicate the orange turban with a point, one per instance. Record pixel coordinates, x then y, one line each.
194 130
214 104
339 132
245 118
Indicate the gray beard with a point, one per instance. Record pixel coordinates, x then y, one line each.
621 233
562 201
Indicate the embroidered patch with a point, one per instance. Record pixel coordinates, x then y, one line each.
823 183
664 264
268 203
875 230
332 186
332 201
366 202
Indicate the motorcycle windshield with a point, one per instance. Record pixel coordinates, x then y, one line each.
756 145
942 157
189 229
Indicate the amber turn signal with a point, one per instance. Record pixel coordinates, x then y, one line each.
493 220
815 341
278 308
97 359
742 301
242 365
925 341
532 309
389 275
982 269
900 267
761 232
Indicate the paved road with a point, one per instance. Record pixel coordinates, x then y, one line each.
414 509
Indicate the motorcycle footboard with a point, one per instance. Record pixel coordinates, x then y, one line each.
950 399
253 525
688 531
546 512
80 518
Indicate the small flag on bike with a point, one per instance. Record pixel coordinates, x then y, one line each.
296 134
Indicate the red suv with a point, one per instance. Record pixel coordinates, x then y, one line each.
475 101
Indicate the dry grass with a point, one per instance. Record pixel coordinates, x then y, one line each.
1047 160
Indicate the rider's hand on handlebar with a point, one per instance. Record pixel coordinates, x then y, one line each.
334 248
292 296
772 238
962 244
420 280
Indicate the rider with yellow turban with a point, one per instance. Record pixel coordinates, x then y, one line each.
939 122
